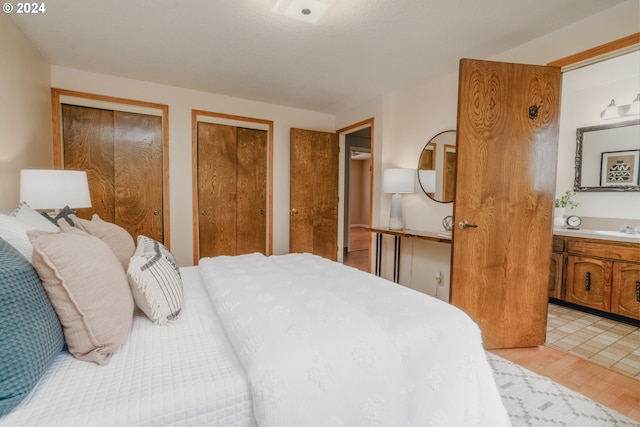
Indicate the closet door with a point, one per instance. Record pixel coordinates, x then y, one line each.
232 182
122 155
507 144
88 145
138 174
251 218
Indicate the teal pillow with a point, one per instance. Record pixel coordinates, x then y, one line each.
29 327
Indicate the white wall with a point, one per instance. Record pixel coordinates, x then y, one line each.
406 120
585 93
25 111
181 102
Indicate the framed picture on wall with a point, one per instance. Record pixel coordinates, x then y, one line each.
620 168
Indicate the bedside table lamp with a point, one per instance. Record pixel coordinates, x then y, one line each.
397 181
53 189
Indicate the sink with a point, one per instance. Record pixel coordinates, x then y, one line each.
617 234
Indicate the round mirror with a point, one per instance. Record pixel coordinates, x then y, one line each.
437 167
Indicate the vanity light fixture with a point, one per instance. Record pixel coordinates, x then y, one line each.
614 112
397 181
303 10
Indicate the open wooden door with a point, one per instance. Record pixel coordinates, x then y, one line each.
313 220
507 143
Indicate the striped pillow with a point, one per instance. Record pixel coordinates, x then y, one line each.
154 278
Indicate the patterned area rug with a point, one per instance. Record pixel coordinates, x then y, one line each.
534 400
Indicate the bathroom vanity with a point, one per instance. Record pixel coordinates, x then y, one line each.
598 270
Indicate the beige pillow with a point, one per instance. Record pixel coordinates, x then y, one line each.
118 239
88 290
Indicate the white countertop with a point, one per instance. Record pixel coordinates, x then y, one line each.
598 234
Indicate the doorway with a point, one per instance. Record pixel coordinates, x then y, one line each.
357 198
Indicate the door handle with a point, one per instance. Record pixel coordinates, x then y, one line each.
465 224
294 211
638 291
156 212
587 282
203 213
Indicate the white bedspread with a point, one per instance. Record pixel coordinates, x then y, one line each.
325 344
183 374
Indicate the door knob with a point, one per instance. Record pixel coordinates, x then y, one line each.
465 224
156 212
261 211
294 211
203 213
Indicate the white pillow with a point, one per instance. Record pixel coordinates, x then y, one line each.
154 278
27 216
15 233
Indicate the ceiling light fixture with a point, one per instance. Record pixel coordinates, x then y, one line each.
614 112
303 10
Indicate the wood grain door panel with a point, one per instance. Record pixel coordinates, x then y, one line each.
505 184
138 174
217 192
87 144
314 166
251 215
625 292
589 282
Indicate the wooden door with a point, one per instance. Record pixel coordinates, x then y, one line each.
232 182
138 174
313 223
589 282
87 144
555 275
251 235
123 157
507 143
625 292
216 189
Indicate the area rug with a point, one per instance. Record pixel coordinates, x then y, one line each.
537 401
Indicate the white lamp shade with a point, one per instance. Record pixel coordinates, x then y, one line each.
427 180
54 189
398 180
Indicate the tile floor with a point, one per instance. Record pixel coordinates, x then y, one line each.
600 340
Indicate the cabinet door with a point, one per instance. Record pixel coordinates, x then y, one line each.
555 276
589 282
625 292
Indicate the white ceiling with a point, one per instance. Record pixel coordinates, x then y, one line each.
360 49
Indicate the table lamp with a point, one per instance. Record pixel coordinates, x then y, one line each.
397 181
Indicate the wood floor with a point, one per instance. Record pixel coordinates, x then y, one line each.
604 385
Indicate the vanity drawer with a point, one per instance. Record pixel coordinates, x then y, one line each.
604 249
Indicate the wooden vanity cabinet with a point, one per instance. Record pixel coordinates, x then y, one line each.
589 282
599 274
625 292
557 268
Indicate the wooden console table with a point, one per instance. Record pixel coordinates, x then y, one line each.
398 235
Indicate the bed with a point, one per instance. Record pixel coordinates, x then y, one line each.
281 340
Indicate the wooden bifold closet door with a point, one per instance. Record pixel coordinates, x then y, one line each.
122 154
232 190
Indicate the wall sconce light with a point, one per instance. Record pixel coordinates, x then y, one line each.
53 189
614 112
397 181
